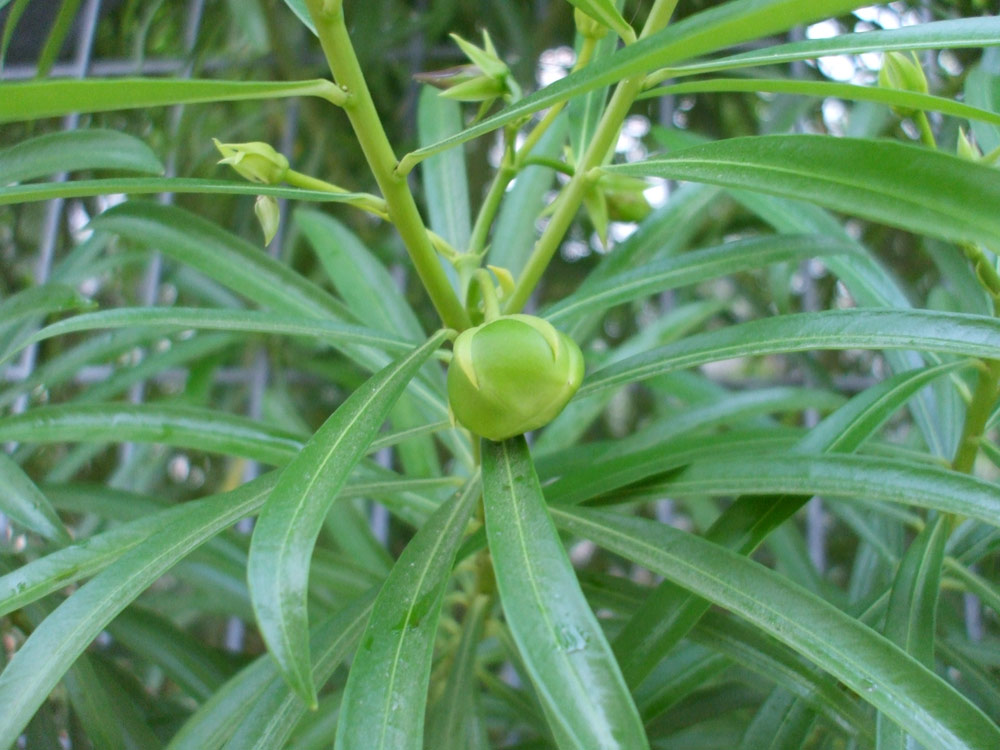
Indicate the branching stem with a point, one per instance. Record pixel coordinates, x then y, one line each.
569 201
336 42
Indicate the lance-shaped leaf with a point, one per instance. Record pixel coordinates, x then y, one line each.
70 150
273 711
56 643
162 319
849 91
715 28
280 551
232 261
980 31
182 426
912 613
44 191
669 613
690 268
386 692
53 98
558 636
954 333
876 669
841 476
24 502
898 184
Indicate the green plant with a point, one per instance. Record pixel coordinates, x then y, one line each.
466 625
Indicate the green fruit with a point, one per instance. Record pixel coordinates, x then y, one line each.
511 375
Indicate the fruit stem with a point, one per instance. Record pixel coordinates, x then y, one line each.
491 306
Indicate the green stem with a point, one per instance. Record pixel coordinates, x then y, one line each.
976 416
491 307
371 203
532 139
572 196
328 16
558 166
490 206
512 164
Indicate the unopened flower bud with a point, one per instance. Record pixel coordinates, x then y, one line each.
902 72
268 214
256 161
511 375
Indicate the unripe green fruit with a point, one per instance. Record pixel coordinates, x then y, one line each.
511 375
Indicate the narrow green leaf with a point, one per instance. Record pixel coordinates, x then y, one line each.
690 268
224 712
670 611
197 669
233 262
843 476
584 112
90 700
73 150
57 35
55 644
453 721
981 31
745 644
680 674
386 692
58 569
54 98
912 615
557 635
24 502
444 178
869 282
45 191
514 230
286 531
877 670
710 30
848 91
10 24
183 426
298 7
361 281
954 333
220 319
902 185
256 710
39 300
782 723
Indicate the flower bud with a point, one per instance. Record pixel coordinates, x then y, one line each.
511 375
256 161
902 73
268 214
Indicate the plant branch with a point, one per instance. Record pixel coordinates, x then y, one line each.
569 201
336 42
977 415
